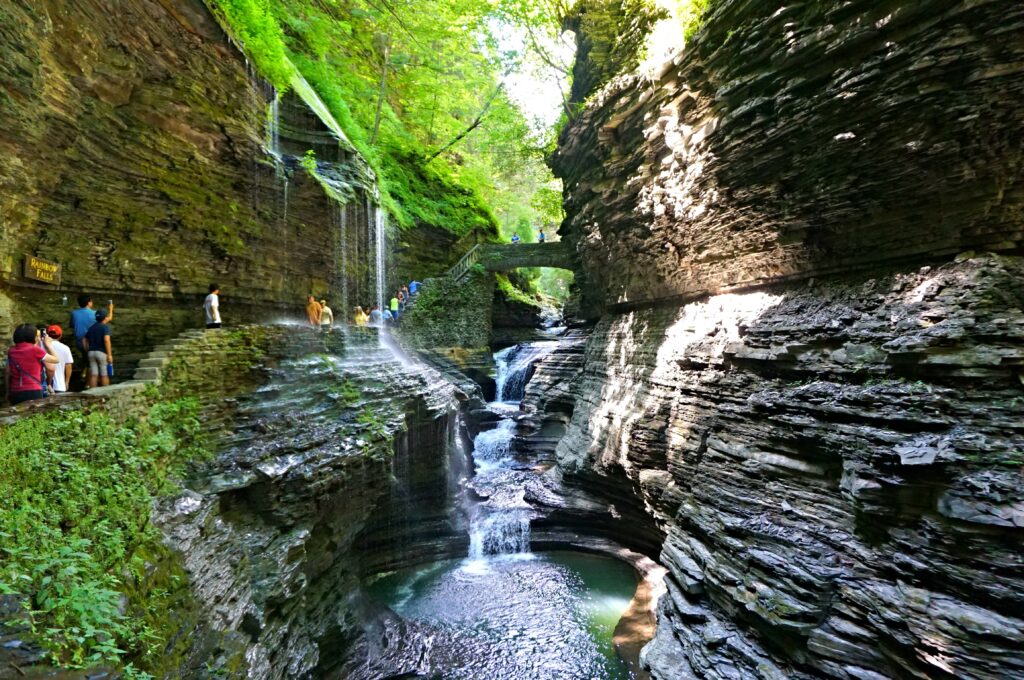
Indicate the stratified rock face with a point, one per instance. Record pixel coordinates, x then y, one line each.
334 470
140 152
835 461
837 467
800 141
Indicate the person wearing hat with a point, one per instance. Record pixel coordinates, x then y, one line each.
62 371
97 347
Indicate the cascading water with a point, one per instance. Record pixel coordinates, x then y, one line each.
515 368
380 243
342 311
505 612
501 524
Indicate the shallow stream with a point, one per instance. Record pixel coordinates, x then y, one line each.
504 612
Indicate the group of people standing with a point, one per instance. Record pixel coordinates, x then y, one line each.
541 237
319 315
40 364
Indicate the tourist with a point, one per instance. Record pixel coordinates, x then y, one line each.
97 347
515 238
326 316
376 318
313 311
394 307
406 293
25 364
385 315
540 235
414 287
85 316
61 379
401 303
361 318
212 307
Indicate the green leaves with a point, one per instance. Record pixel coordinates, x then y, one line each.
75 495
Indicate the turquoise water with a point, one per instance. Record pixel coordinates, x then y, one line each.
518 617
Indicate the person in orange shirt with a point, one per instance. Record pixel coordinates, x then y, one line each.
313 311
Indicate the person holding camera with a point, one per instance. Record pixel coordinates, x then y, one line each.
27 363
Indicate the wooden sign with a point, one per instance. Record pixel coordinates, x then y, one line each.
41 270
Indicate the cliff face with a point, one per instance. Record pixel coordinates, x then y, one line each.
815 402
141 153
801 141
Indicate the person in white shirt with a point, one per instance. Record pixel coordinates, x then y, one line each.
62 371
326 317
212 307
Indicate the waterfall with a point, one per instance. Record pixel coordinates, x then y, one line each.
342 311
504 532
380 247
492 447
515 368
501 524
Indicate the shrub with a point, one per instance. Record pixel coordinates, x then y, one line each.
75 495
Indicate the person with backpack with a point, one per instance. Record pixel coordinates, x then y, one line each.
26 362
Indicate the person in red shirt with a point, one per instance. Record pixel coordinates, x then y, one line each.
25 362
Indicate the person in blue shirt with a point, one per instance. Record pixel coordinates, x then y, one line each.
84 317
515 238
540 236
414 287
99 351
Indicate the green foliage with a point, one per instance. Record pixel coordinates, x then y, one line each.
376 425
692 14
308 162
442 66
261 36
75 495
614 33
513 293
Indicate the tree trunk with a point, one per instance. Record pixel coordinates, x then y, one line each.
383 89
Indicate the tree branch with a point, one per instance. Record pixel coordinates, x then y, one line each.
472 126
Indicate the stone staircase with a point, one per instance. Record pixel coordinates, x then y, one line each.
151 365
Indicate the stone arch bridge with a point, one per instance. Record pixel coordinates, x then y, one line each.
499 257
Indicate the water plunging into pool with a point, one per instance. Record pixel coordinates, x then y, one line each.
505 612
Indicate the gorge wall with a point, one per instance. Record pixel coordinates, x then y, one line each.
801 243
141 152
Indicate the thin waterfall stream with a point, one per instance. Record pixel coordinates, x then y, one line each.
504 611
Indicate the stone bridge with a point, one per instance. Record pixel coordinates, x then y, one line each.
499 257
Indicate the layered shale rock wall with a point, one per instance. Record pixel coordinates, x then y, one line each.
141 153
132 157
799 141
801 239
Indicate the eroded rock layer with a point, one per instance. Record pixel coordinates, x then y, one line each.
335 469
837 469
806 367
798 141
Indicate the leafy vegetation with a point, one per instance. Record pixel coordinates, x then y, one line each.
75 495
418 88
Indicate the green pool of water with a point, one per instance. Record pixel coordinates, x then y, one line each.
546 616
